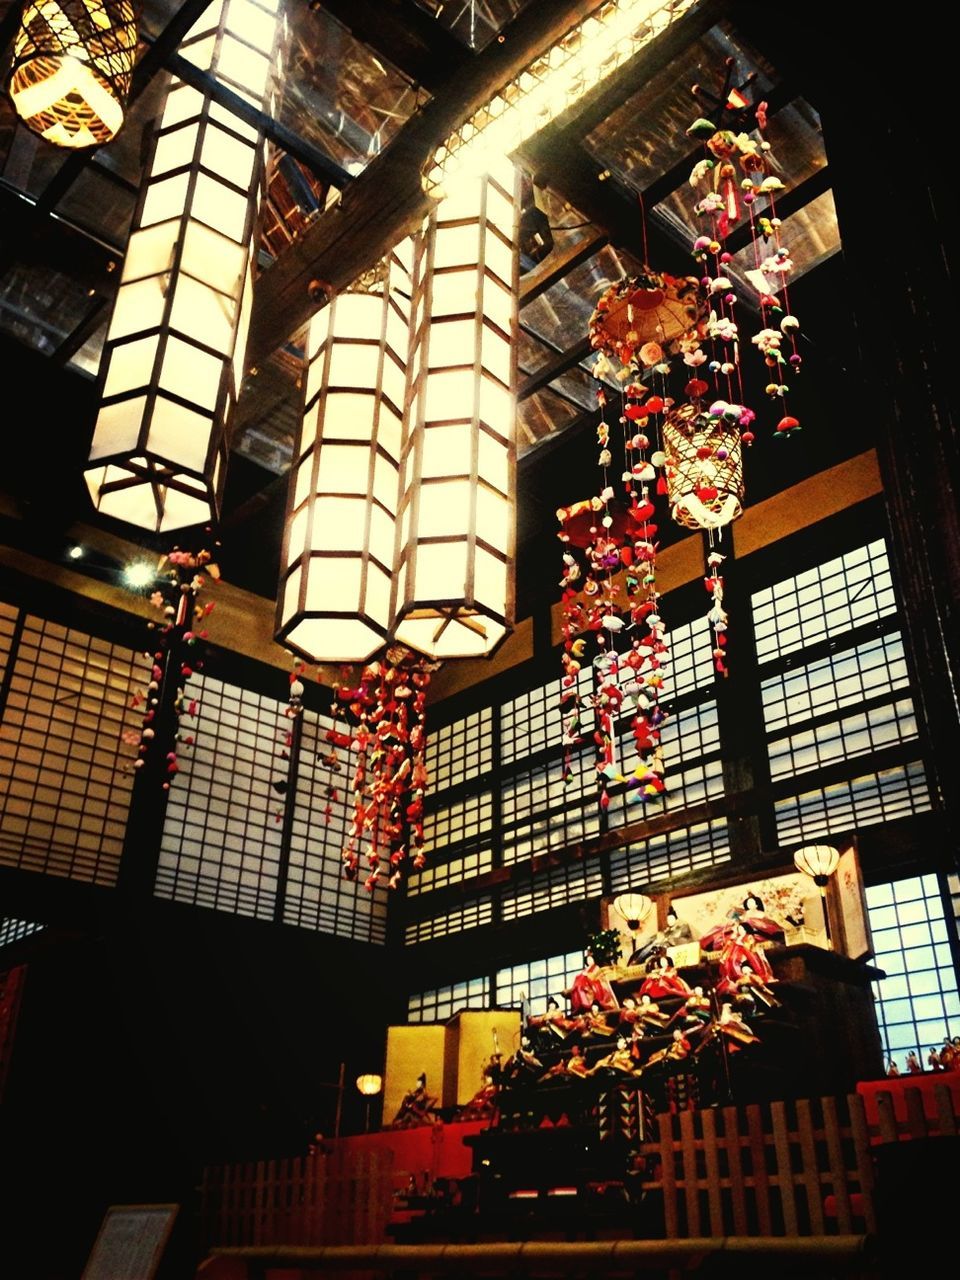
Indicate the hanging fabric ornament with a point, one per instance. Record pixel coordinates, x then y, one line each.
387 708
178 654
726 197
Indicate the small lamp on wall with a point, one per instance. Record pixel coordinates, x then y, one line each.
71 71
369 1086
635 908
819 862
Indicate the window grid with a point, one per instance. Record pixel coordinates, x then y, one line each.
464 867
844 806
67 745
542 813
317 895
8 622
469 916
532 721
839 680
572 883
917 1002
13 930
831 598
674 853
537 980
468 818
691 657
862 733
221 838
443 1002
460 751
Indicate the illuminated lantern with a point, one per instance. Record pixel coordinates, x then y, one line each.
337 562
174 355
72 64
454 588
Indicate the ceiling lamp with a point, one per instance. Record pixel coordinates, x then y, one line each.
174 355
454 585
337 561
581 59
72 64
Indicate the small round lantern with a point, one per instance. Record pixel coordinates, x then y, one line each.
71 71
818 861
634 907
704 465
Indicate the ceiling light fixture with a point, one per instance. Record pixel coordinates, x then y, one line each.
580 60
72 64
174 354
139 574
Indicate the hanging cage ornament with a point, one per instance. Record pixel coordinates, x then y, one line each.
72 67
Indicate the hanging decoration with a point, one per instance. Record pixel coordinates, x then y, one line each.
726 198
178 653
386 708
72 67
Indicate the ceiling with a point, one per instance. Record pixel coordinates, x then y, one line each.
368 86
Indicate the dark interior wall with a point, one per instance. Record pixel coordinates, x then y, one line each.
169 1038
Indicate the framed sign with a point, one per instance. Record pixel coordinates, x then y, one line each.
130 1242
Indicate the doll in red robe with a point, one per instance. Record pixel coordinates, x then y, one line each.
663 980
591 987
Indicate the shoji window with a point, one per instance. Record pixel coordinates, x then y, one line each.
67 745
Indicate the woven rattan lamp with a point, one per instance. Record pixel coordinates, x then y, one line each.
71 71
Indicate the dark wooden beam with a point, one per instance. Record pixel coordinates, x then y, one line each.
387 200
32 234
405 35
317 160
792 201
559 264
554 368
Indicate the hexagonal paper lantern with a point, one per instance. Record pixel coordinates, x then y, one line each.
174 354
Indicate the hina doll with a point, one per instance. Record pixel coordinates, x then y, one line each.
620 1060
664 981
591 987
739 949
678 1049
575 1065
751 990
913 1064
595 1023
650 1018
554 1021
696 1011
734 1030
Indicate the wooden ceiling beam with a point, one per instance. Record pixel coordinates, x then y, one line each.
387 201
405 35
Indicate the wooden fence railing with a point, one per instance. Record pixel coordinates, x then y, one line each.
799 1168
784 1169
302 1200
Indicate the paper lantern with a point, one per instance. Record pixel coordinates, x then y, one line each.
819 861
337 563
72 64
704 464
454 589
370 1085
174 355
641 320
634 908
